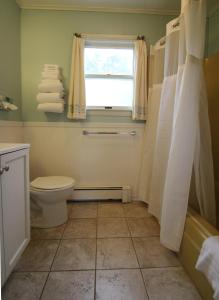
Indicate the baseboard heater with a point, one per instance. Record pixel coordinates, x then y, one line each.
103 193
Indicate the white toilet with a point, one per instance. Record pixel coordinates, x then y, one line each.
48 200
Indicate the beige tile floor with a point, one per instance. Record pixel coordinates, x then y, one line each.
105 251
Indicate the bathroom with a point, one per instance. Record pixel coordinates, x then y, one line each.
103 153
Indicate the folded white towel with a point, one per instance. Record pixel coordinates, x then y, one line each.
51 75
208 263
50 101
50 86
51 107
52 71
48 81
48 67
51 66
49 97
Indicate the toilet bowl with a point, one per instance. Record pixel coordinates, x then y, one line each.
48 197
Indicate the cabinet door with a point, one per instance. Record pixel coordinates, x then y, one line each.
15 206
1 237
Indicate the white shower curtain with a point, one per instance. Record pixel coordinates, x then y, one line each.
76 98
183 141
156 67
190 100
165 120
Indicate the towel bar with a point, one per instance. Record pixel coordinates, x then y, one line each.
85 132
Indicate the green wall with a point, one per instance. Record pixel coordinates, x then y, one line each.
10 75
213 34
46 37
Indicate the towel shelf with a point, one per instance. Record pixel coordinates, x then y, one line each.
86 132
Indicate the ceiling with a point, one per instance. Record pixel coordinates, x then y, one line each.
167 7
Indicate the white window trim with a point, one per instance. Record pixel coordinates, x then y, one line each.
92 41
101 111
109 76
109 108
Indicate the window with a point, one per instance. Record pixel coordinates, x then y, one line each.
109 73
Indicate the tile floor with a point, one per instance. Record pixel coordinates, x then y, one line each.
105 251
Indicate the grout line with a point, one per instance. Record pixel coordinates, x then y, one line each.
71 219
106 201
53 261
102 237
71 270
119 268
79 218
98 203
110 238
44 285
162 267
99 269
79 238
144 284
29 271
138 261
95 277
110 217
114 237
97 218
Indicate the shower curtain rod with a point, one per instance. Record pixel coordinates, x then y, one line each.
109 36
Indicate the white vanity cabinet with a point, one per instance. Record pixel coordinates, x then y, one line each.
14 204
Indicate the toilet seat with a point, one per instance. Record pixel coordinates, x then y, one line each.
52 183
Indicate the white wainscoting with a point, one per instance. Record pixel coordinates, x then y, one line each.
62 149
11 132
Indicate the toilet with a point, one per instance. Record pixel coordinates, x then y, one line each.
48 197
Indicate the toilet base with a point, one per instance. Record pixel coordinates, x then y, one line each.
48 216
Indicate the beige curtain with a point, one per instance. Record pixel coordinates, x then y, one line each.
76 99
140 85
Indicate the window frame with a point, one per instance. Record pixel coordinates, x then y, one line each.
113 44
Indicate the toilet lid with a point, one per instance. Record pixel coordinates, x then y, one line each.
52 182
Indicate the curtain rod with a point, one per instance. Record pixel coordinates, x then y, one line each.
109 36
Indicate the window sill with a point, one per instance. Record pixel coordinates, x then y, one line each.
111 112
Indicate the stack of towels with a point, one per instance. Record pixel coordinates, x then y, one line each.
51 92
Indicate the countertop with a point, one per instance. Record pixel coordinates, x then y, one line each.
9 147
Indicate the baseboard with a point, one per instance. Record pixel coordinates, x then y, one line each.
102 193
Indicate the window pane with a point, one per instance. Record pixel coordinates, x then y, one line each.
108 61
109 92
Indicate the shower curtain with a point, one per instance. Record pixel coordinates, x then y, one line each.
186 134
183 142
165 120
155 85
